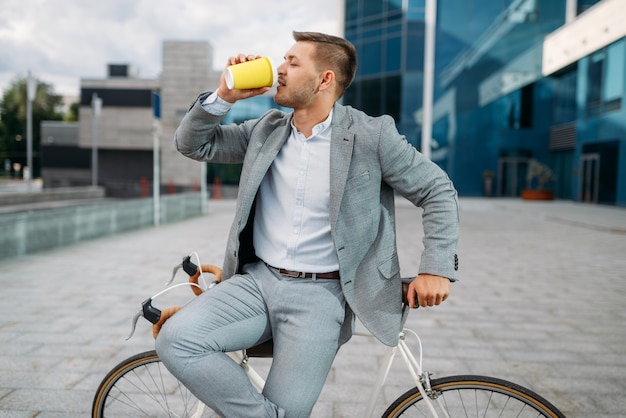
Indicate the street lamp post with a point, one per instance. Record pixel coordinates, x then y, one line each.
31 89
156 157
430 22
96 106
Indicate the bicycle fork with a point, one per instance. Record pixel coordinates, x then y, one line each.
421 379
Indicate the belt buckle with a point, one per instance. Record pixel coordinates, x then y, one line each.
292 273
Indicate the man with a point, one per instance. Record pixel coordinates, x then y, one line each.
313 239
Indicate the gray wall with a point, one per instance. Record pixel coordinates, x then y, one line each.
35 230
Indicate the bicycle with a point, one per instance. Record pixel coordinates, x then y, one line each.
141 386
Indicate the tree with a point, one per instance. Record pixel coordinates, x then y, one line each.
45 106
72 113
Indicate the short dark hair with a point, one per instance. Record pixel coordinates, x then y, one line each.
337 53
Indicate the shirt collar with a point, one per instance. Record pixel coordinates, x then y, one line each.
320 127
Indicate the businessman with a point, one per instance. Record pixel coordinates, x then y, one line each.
313 238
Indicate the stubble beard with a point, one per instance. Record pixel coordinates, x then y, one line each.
297 98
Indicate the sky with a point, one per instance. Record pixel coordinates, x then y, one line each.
61 42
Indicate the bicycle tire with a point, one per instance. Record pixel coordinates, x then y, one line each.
474 396
141 386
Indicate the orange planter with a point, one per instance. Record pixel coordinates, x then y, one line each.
529 194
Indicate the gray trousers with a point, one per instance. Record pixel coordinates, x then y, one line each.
304 318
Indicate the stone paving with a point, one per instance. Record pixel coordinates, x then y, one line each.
541 303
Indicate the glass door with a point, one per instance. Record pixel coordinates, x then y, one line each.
589 177
512 176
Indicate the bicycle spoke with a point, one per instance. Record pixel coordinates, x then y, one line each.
142 386
127 401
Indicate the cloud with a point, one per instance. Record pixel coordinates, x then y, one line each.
61 42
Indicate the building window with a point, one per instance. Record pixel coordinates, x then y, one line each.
613 86
519 108
583 5
371 95
393 60
117 97
605 79
416 10
372 8
565 97
371 58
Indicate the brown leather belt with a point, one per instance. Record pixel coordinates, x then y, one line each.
304 275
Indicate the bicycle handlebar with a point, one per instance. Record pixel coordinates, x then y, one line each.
154 315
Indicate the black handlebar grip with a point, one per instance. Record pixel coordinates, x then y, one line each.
151 313
189 267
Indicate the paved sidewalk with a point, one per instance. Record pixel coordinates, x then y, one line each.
541 303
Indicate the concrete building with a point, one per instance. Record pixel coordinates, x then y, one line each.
125 128
63 162
187 71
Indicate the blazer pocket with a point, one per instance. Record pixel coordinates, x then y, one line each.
362 178
390 267
358 193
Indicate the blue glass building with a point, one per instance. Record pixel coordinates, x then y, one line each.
504 93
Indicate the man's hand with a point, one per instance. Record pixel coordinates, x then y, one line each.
165 315
430 290
233 95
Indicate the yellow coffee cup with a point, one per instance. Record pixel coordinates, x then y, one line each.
251 74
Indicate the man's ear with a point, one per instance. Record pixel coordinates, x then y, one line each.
327 80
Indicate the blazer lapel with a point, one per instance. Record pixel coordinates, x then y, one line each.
267 148
342 142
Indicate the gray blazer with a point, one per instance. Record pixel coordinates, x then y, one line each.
369 159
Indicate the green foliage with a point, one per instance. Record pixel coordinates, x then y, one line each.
72 114
13 125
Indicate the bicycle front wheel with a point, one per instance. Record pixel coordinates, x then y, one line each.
473 396
141 386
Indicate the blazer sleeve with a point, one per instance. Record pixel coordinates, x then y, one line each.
200 136
427 186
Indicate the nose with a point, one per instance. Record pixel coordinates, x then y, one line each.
281 68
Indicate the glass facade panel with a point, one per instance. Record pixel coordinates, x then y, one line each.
414 39
394 5
393 61
416 10
371 60
565 97
351 11
393 96
372 8
394 8
412 85
493 110
613 86
371 95
372 33
583 5
416 4
394 28
594 80
605 79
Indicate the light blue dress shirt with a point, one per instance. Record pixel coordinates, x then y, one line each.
292 223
